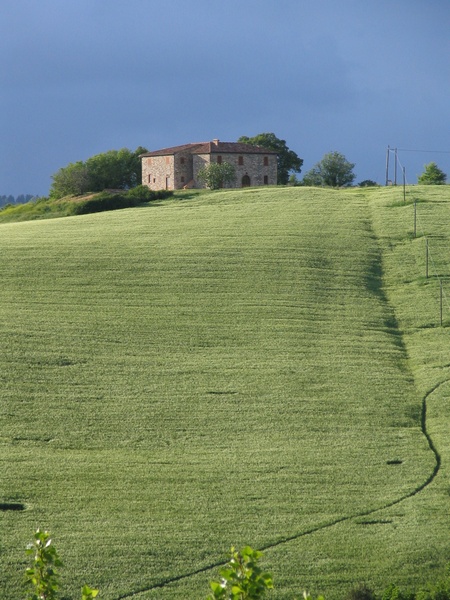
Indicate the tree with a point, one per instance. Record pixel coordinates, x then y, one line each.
432 175
334 170
313 178
293 181
368 183
217 175
288 161
71 180
116 169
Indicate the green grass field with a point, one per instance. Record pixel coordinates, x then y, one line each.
261 366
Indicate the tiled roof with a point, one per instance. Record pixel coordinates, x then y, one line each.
215 147
173 150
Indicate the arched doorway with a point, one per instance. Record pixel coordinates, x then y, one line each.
246 181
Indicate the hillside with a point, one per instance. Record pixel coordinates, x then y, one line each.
259 366
76 205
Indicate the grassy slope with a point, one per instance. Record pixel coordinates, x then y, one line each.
43 208
217 371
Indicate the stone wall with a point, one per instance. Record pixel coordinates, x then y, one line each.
158 172
183 170
178 170
251 166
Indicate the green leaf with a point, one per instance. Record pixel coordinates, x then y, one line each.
87 593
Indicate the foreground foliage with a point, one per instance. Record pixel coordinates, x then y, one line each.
42 579
242 578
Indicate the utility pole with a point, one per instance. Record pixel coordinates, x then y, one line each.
415 218
404 185
387 164
395 167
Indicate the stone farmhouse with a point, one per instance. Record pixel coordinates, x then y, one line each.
177 168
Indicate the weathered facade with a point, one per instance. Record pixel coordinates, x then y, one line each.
177 168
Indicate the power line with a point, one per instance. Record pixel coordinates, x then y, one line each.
431 151
395 151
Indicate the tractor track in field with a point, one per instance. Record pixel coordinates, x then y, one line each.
299 535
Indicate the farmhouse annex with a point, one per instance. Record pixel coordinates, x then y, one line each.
176 168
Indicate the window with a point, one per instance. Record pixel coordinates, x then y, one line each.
167 160
266 161
182 160
149 178
266 180
219 160
182 180
241 160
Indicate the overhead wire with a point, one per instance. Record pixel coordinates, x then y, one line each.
425 151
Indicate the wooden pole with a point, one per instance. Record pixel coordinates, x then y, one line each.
427 259
387 164
415 218
395 167
440 281
404 185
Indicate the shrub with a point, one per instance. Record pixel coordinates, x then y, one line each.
361 592
101 202
438 591
368 183
108 201
393 592
142 193
42 579
241 578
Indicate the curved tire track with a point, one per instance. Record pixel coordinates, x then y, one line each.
299 535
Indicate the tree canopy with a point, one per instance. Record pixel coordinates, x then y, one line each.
288 161
334 170
216 175
432 175
115 169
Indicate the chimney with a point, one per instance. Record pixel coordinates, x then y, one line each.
216 142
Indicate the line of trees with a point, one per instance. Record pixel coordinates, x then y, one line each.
20 199
334 170
122 170
115 169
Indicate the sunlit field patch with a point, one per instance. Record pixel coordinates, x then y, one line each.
234 367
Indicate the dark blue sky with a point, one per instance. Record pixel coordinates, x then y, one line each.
80 77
